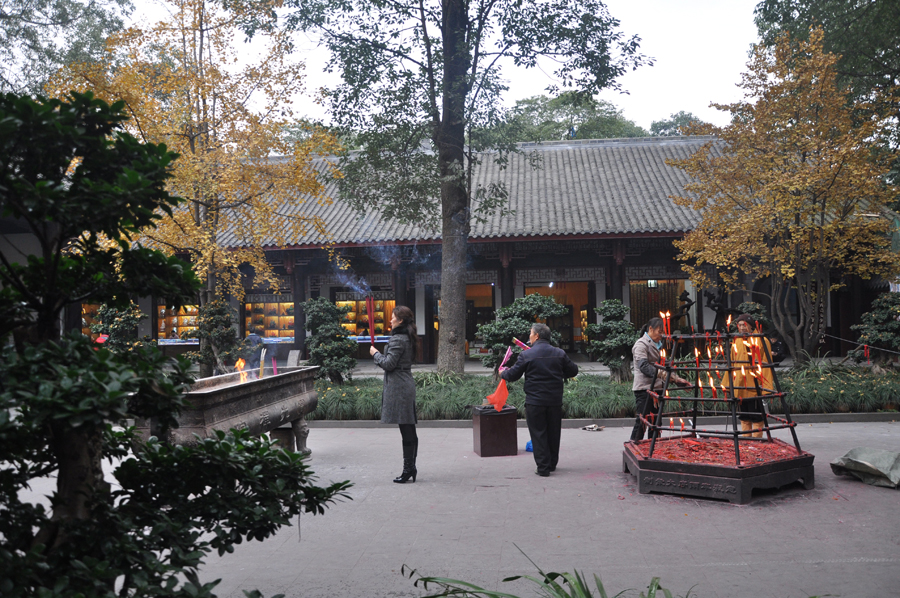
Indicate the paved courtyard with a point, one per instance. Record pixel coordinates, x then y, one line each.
468 517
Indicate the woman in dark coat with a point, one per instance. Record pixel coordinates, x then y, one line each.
398 400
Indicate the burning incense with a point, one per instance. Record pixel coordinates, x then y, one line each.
370 307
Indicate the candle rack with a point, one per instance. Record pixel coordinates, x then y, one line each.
683 456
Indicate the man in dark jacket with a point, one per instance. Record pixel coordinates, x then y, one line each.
544 367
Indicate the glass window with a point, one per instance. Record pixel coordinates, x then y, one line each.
270 316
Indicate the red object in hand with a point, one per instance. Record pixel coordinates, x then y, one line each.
370 309
498 397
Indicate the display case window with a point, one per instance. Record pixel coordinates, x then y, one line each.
358 321
171 324
270 316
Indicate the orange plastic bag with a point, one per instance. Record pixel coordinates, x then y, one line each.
499 396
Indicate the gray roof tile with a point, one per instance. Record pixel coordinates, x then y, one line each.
590 187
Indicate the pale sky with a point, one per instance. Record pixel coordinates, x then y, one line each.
700 49
700 46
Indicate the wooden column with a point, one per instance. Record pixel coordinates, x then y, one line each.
507 292
298 290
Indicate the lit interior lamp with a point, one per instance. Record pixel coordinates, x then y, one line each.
551 285
652 284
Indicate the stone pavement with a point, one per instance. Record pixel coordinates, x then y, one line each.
468 517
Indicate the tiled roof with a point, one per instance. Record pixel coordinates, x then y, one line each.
583 188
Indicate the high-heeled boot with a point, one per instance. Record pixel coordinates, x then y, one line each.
409 465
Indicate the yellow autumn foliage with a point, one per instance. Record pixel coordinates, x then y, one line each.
793 189
187 83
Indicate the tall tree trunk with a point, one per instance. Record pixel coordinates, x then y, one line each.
206 296
79 477
454 196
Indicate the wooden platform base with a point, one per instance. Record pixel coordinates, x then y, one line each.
734 484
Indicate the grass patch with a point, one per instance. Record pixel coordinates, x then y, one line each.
446 396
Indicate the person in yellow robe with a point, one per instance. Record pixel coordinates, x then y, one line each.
748 354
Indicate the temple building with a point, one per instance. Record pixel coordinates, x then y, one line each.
593 221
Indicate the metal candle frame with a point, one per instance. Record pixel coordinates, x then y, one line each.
723 364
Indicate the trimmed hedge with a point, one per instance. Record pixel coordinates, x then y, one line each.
442 396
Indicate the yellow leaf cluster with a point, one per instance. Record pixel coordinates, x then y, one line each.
186 83
795 184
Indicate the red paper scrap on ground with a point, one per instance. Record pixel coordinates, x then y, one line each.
717 451
498 397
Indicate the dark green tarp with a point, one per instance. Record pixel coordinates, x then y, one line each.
872 466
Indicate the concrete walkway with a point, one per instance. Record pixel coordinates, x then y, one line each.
468 517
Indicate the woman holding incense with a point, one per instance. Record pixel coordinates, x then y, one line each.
645 353
751 378
398 399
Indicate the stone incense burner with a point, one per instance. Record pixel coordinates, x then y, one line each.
260 406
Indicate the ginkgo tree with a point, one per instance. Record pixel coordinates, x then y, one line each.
793 190
187 82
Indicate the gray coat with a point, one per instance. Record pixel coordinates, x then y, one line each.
644 354
398 400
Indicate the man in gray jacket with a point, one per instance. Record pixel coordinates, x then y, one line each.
645 353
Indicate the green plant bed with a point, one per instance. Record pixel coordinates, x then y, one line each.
444 396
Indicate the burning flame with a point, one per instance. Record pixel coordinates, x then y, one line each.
728 322
239 366
743 372
682 424
672 423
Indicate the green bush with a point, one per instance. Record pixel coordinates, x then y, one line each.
443 396
121 327
514 321
329 344
612 339
219 342
880 328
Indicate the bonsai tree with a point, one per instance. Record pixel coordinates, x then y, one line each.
611 340
70 177
879 329
121 328
219 340
514 321
330 346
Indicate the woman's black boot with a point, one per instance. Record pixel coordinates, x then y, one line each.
409 465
